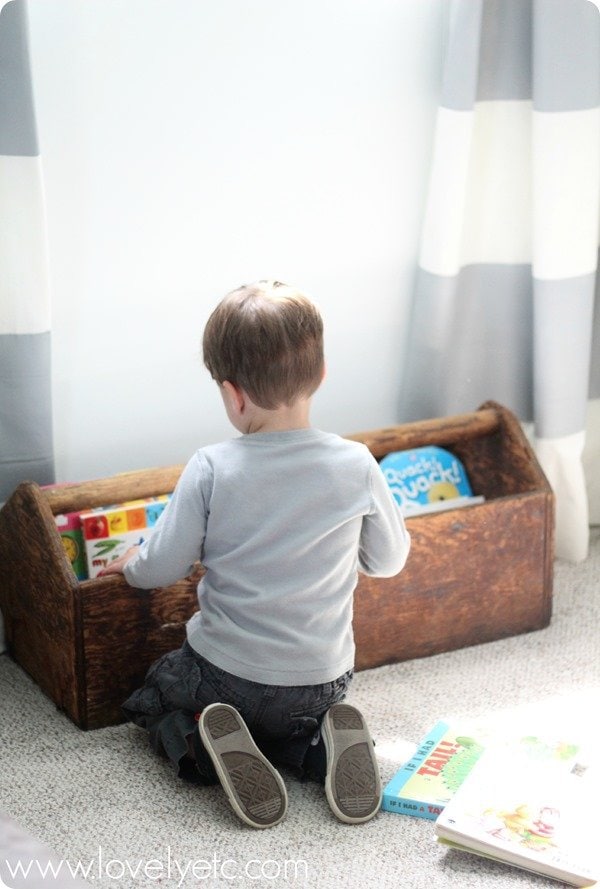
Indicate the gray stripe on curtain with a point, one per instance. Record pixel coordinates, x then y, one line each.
25 410
505 64
565 56
489 54
477 334
595 361
18 134
479 65
471 341
462 56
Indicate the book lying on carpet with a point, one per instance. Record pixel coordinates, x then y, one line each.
424 785
109 531
520 812
427 479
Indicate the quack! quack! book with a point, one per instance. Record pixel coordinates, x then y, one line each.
520 812
427 479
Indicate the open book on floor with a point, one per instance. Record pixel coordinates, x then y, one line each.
527 815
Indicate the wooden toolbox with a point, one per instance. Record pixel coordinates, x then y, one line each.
474 574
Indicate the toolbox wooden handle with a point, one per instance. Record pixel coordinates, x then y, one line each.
116 489
152 482
448 431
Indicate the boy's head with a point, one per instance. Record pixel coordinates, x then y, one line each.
267 339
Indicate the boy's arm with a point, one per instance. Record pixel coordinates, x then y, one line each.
384 541
177 540
117 565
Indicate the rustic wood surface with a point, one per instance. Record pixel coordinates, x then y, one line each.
125 630
430 432
37 598
474 574
116 489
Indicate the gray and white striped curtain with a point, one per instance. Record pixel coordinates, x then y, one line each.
504 302
26 450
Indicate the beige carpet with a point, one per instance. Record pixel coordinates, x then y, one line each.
102 800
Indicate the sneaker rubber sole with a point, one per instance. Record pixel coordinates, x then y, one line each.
352 782
254 788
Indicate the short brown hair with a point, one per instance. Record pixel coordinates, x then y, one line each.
266 338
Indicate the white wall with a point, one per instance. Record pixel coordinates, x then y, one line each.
189 147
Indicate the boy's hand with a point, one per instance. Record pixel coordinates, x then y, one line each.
118 565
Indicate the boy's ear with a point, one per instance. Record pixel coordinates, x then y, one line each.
234 395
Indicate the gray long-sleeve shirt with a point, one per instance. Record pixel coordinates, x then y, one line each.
282 522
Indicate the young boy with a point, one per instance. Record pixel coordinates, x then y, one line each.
281 518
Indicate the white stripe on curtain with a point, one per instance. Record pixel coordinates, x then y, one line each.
478 177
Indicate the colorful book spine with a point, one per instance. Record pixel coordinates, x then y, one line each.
71 534
425 783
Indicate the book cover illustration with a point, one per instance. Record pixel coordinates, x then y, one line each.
110 531
427 479
425 784
518 811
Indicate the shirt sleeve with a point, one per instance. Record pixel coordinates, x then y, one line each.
178 537
384 541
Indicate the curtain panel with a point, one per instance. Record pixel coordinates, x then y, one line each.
507 279
26 450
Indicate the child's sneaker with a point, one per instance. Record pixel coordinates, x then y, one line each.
352 783
254 788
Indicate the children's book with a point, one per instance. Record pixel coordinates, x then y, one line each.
71 535
69 527
110 531
425 783
444 758
427 479
523 813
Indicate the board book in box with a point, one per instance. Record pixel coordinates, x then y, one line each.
69 527
427 479
109 531
525 814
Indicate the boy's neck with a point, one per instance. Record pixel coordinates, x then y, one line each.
248 417
282 419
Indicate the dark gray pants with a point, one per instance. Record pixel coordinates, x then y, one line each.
283 720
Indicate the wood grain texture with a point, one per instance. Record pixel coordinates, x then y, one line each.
37 598
116 489
473 574
125 630
461 427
